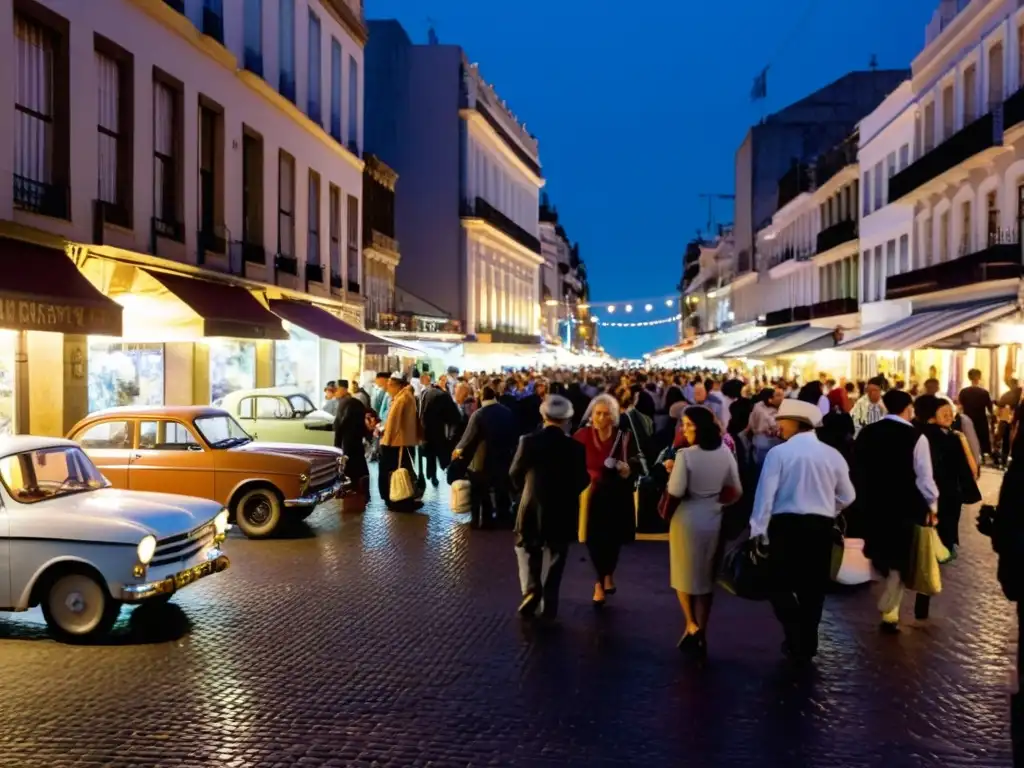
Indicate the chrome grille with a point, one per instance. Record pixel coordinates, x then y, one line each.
183 546
323 475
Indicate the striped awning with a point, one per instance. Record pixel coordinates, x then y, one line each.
790 343
929 326
752 348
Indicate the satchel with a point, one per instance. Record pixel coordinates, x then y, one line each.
746 571
460 500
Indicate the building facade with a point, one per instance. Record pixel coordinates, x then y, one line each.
471 178
201 162
564 291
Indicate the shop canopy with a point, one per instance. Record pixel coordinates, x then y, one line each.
925 328
224 309
794 342
322 323
41 289
752 347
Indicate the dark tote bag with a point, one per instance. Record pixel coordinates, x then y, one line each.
648 492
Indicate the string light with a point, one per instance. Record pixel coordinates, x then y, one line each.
669 302
639 324
611 307
629 307
648 307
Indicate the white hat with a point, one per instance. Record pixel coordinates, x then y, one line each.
798 410
556 408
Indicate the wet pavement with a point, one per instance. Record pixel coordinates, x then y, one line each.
377 639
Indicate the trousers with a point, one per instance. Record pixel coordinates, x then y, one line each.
489 499
800 550
533 578
428 457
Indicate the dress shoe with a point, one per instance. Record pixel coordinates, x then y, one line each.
889 628
922 603
528 607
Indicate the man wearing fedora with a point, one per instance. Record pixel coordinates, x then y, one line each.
804 484
550 472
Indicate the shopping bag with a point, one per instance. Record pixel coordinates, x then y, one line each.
924 575
745 570
838 546
855 568
460 497
402 485
584 514
942 553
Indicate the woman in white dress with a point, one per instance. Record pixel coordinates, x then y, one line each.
703 475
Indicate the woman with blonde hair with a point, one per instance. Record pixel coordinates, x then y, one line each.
610 514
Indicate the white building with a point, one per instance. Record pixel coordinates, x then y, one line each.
211 139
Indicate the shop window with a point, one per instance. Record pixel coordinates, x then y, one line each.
125 374
232 367
297 363
107 435
166 436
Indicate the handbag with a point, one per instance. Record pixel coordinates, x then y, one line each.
402 486
646 494
584 515
923 576
460 501
746 571
668 504
838 546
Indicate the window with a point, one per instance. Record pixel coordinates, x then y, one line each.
904 156
991 218
966 236
254 36
944 236
995 75
313 241
353 105
48 473
285 204
264 408
213 19
209 144
108 109
929 242
878 185
252 196
904 253
970 94
165 160
948 112
929 126
38 171
352 219
166 436
866 189
334 203
107 435
124 374
865 277
313 47
879 274
890 261
891 165
286 48
335 89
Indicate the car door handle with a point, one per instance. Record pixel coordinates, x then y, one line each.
136 455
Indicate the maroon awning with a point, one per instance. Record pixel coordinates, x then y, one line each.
41 289
226 310
322 323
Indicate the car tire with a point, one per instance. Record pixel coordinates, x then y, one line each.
258 512
77 606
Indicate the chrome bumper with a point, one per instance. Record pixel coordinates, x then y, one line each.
216 561
312 499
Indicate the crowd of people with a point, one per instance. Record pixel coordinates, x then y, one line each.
712 458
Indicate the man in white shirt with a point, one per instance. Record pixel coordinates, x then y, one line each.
803 486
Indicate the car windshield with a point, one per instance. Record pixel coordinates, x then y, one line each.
48 473
302 405
222 431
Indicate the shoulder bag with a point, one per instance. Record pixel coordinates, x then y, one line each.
647 493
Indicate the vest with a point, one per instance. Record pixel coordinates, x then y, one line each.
884 469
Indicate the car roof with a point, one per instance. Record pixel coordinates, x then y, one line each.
12 444
185 412
273 391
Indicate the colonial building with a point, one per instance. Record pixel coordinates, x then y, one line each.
471 180
201 161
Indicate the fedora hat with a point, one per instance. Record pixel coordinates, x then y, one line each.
798 410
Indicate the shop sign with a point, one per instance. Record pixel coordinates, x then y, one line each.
32 315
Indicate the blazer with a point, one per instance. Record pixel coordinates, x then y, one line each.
402 429
492 433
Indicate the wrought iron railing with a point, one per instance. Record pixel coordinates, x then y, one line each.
41 197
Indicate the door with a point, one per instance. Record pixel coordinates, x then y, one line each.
109 445
170 459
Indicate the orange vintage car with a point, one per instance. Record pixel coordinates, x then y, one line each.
202 451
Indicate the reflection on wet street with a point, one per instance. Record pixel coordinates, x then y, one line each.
392 640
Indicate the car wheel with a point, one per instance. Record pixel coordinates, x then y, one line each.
78 608
258 512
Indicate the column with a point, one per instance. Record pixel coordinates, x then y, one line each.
1011 59
521 305
481 292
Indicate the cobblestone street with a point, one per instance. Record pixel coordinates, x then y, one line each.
382 639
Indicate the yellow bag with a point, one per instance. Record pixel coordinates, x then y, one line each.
924 575
584 514
941 552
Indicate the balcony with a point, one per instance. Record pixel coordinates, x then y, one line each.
253 60
832 162
835 235
481 209
287 264
41 197
380 241
1000 260
787 254
834 307
794 183
984 133
506 335
314 273
253 253
408 323
213 24
171 230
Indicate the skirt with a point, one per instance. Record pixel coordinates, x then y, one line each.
693 536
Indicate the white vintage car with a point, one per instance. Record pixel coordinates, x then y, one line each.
79 548
279 415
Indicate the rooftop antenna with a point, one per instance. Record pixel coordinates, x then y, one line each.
432 32
873 64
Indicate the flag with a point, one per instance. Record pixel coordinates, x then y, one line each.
760 89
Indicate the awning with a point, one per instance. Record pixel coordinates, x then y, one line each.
750 348
225 310
928 326
41 289
322 323
791 342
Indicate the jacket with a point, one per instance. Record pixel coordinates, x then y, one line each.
550 470
438 415
402 429
489 441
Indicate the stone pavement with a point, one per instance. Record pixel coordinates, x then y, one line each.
391 640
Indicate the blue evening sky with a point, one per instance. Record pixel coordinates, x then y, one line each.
640 106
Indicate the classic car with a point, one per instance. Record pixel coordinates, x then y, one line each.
79 548
202 451
279 413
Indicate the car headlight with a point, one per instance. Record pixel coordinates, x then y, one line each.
146 549
220 522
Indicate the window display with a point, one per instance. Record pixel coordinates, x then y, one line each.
125 374
297 362
232 367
